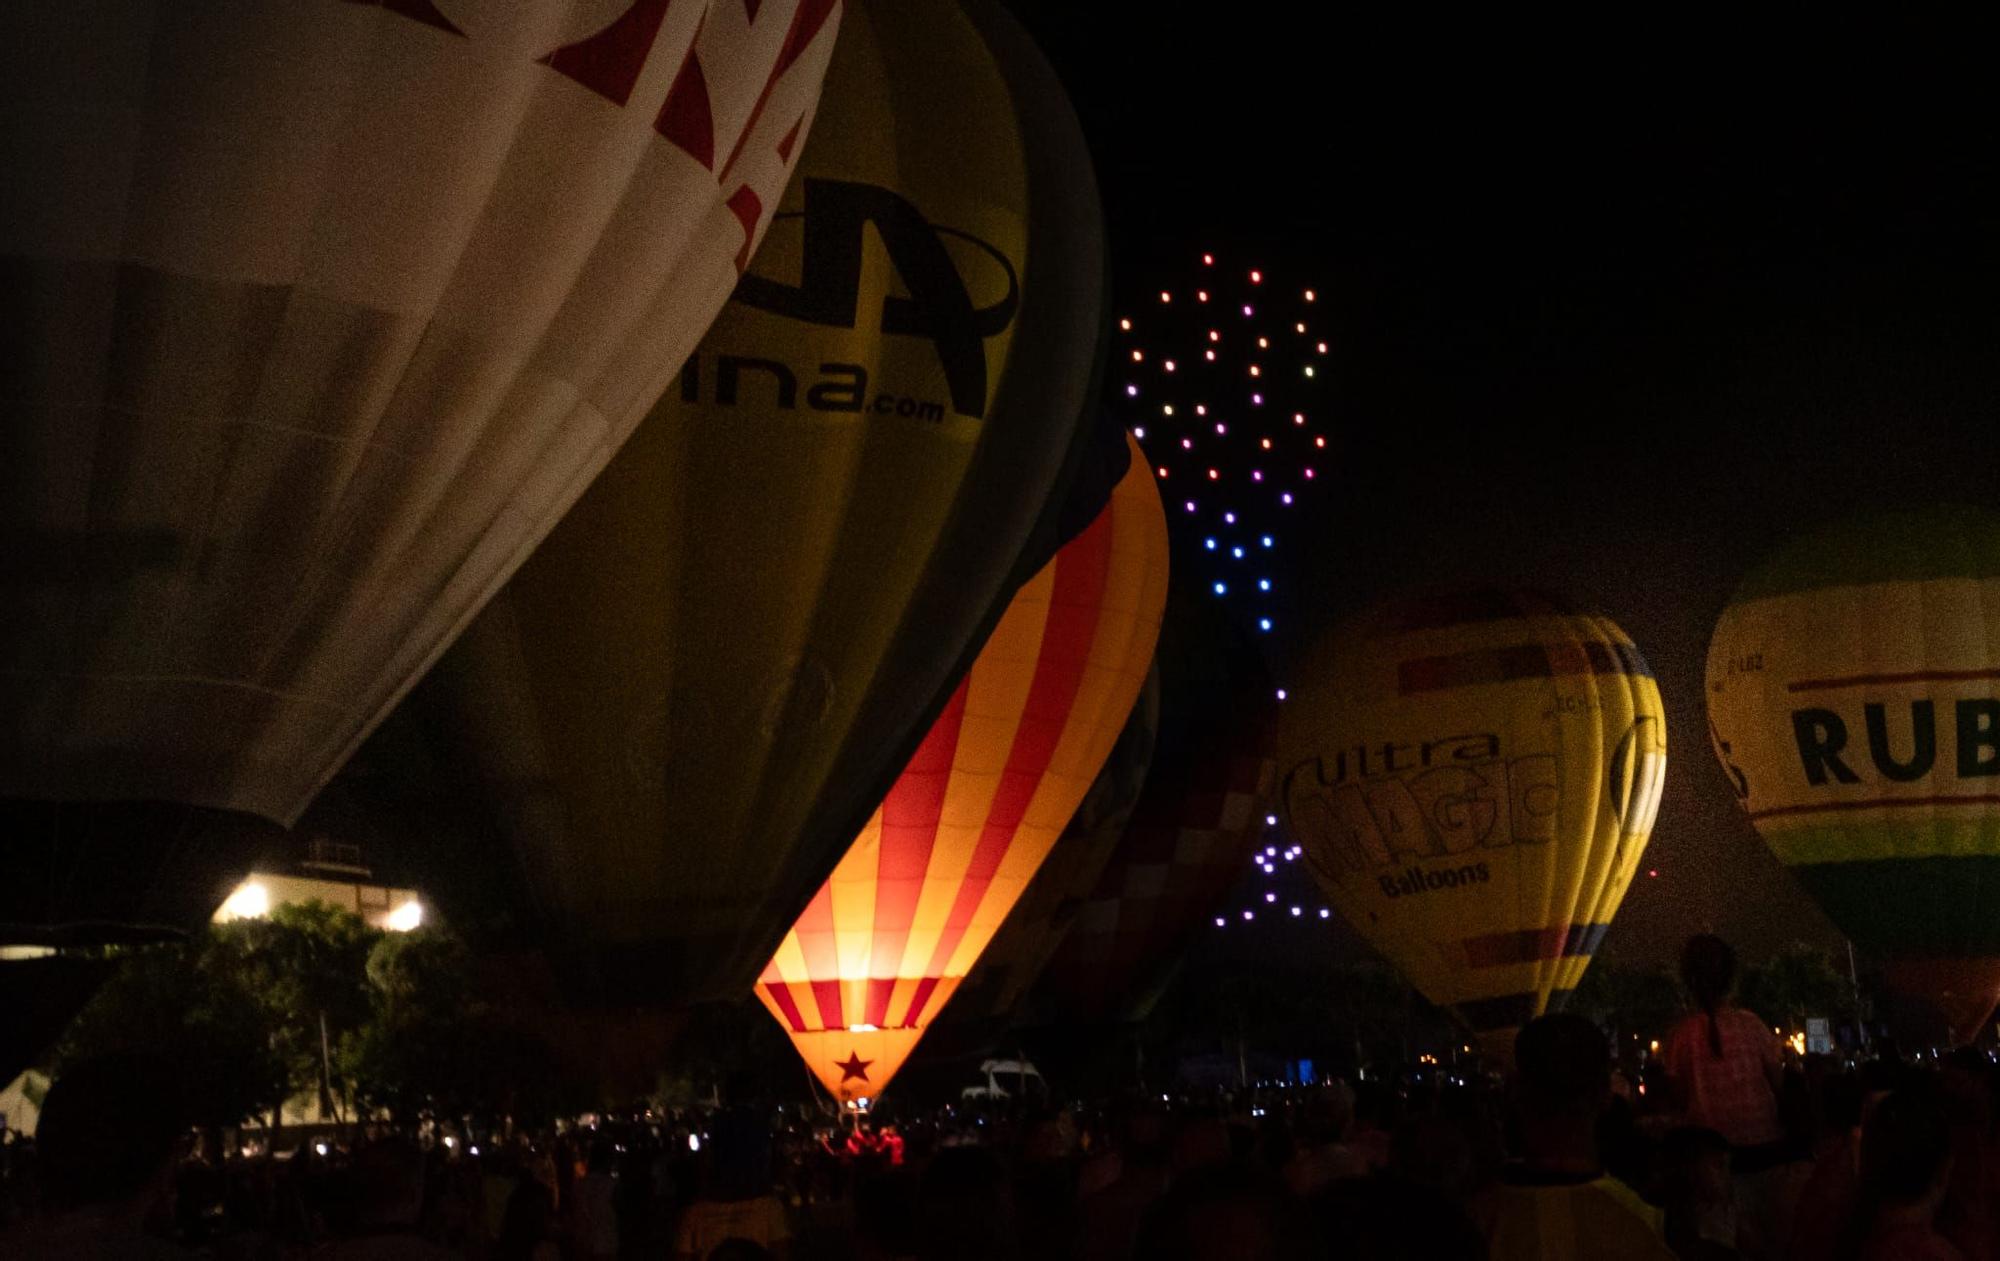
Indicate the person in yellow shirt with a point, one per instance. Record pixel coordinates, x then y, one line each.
1555 1202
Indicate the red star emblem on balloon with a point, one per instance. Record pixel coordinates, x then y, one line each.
854 1066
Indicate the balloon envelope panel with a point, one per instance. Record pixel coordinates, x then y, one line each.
1473 776
1851 699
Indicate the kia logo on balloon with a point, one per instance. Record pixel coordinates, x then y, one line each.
940 305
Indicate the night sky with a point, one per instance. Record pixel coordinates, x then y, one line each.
1614 326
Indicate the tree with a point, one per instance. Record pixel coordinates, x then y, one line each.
1633 1003
1796 983
177 1004
307 963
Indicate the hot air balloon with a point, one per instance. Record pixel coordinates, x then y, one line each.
913 902
1473 776
1196 821
1851 699
663 733
319 315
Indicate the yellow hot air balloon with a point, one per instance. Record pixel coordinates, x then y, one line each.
1474 776
925 885
318 315
635 768
1852 701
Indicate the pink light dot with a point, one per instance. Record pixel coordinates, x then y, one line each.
1256 277
1165 296
1319 442
1247 311
1258 399
1298 418
1286 498
1221 428
1215 334
1281 693
1131 391
1187 444
1213 475
1208 260
1138 356
1257 475
1301 326
1322 348
1201 409
1211 356
1190 505
1309 295
1265 443
1201 295
1229 518
1309 474
1263 343
1169 365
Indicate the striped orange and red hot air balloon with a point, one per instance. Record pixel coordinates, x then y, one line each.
906 913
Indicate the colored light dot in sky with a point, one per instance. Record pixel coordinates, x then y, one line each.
1229 518
1190 505
1309 370
1247 311
1322 348
1286 498
1298 911
1324 913
1319 442
1267 540
1166 409
1201 295
1222 588
1201 409
1256 277
1282 693
1187 444
1168 365
1263 623
1209 544
1219 921
1265 443
1257 399
1652 873
1249 915
1210 355
1309 474
1301 326
1126 325
1165 296
1270 851
1263 343
1215 334
1220 427
1131 391
1256 371
1298 418
1138 431
1208 260
1309 295
1213 475
1257 475
1263 584
1138 356
1237 552
1163 470
1270 897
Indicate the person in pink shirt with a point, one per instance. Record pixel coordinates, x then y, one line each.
1725 1067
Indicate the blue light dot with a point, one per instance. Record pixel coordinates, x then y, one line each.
1190 505
1267 540
1263 584
1237 552
1221 588
1209 544
1263 623
1281 693
1229 518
